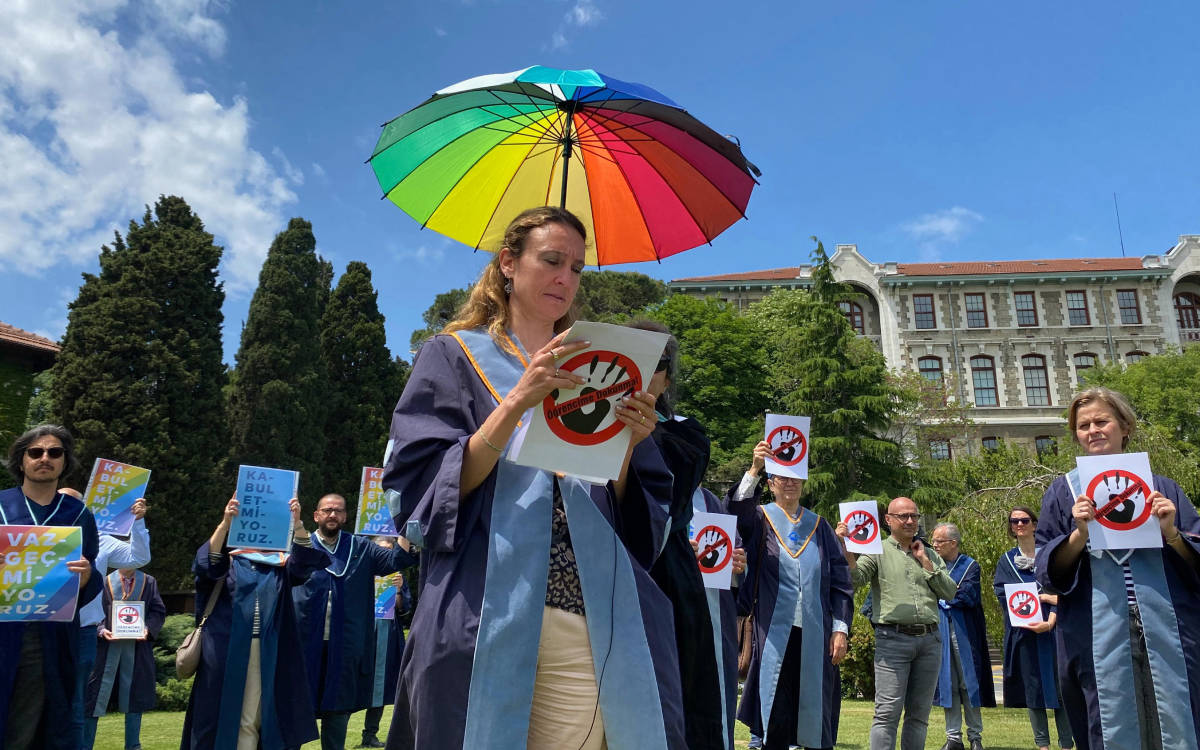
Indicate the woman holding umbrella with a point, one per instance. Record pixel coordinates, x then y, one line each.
1128 620
520 640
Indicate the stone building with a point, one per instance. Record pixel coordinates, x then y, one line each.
1012 338
22 355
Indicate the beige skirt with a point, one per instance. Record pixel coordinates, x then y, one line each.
566 701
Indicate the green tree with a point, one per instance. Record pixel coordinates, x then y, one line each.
819 368
41 403
443 310
139 376
277 399
1163 390
612 296
364 382
722 376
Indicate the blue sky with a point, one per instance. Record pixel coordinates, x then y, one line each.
919 131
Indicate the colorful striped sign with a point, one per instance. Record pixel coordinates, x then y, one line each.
385 599
374 515
35 584
112 490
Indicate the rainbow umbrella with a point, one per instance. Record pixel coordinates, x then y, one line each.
647 179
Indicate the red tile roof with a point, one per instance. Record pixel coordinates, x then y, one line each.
27 339
972 268
774 274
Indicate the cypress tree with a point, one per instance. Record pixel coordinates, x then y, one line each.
364 382
140 375
277 398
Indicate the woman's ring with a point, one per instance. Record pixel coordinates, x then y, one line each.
554 352
643 419
557 373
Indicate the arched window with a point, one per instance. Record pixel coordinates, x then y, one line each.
1083 361
1135 356
1037 384
983 378
930 368
854 315
1187 314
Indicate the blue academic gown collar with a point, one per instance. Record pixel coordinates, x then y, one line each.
15 509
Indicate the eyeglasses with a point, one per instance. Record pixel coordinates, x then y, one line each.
331 511
782 479
663 364
906 517
941 542
1019 521
36 452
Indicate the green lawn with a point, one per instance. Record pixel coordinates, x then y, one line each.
1003 729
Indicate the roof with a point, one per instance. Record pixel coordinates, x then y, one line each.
14 335
973 268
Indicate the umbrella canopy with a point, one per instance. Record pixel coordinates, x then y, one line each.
646 178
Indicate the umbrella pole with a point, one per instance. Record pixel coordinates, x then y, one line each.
569 109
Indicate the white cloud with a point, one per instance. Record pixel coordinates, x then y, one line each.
439 31
584 13
558 41
95 125
424 254
318 170
293 174
943 227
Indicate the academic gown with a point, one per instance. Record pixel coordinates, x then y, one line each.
215 705
829 595
1170 608
103 689
685 450
348 582
60 640
964 613
466 677
1030 668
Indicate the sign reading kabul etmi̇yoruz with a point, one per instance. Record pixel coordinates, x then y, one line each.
385 599
788 438
35 583
264 520
576 431
1120 486
374 515
112 490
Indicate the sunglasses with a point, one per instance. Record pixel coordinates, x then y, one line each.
663 364
36 452
1019 521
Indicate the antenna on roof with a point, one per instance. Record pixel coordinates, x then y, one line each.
1120 235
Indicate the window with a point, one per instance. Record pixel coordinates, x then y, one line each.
976 311
1083 361
923 311
983 378
854 315
1135 357
1077 309
931 368
1026 309
1037 385
991 443
1127 303
1187 315
939 449
1045 445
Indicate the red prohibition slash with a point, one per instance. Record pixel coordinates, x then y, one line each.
127 615
715 549
572 420
1023 604
863 528
1123 487
795 446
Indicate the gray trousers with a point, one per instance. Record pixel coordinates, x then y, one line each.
961 703
1041 726
906 672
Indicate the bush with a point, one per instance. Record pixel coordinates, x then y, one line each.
858 668
173 694
174 630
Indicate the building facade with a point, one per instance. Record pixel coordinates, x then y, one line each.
22 355
1010 338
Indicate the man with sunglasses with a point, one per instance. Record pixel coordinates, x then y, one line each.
39 660
906 584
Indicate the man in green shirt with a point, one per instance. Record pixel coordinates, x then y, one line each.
906 583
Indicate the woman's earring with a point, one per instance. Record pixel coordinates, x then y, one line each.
507 285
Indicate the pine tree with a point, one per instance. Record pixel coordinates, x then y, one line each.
140 375
821 369
364 382
277 398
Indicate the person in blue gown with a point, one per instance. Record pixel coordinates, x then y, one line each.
537 624
1128 620
251 690
39 660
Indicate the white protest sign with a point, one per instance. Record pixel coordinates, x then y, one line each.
714 535
128 619
576 431
862 527
1120 485
788 437
1023 605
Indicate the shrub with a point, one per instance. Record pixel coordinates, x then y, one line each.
173 694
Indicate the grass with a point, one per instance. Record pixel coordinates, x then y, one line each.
1003 729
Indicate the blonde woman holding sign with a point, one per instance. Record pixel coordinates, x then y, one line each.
1128 620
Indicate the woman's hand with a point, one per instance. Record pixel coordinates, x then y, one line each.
1082 511
105 633
1051 599
83 567
543 375
837 648
139 508
231 511
1040 627
761 451
1164 510
739 560
637 412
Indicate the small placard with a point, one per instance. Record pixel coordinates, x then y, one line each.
374 515
862 527
36 584
112 489
385 599
1023 605
264 520
128 619
1120 485
788 438
713 534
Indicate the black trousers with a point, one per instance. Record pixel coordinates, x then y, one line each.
781 726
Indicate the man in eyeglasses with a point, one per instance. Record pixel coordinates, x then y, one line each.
335 611
39 660
906 584
965 681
